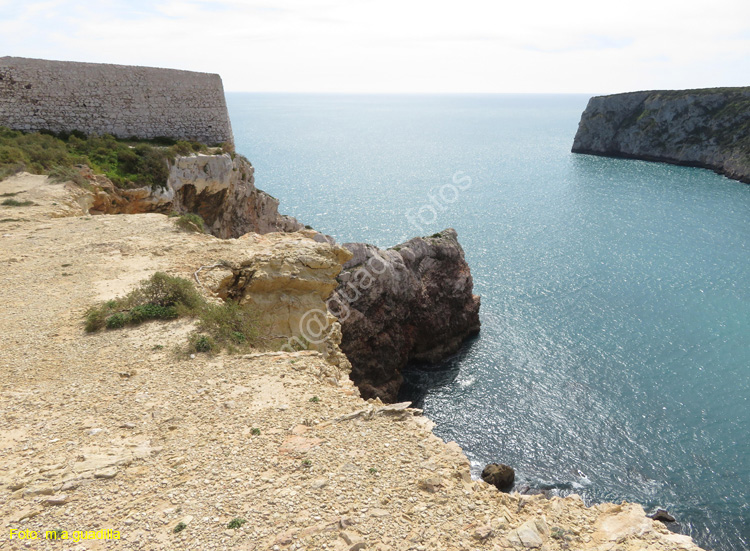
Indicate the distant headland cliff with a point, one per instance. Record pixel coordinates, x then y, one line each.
708 128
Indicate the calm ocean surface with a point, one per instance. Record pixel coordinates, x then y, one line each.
614 357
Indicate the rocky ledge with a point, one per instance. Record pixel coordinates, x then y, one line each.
115 432
708 128
410 303
219 188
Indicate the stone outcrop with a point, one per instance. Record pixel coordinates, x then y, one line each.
499 475
707 128
218 188
410 303
259 451
286 279
125 101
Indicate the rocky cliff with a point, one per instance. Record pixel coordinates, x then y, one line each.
707 128
412 302
218 188
114 431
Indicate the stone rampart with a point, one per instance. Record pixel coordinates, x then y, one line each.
124 101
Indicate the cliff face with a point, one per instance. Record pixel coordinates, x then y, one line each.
413 302
218 188
285 277
707 128
133 432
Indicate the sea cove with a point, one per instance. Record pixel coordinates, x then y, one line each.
615 306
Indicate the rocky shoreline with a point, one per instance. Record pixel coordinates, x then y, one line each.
274 450
410 303
706 128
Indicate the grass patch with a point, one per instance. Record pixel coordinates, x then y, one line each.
10 194
190 222
315 399
9 169
11 220
236 523
255 432
128 163
201 343
69 174
230 325
17 203
160 297
179 528
226 326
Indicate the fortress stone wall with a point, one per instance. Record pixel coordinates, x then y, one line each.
122 100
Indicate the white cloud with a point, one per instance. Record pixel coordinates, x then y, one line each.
400 46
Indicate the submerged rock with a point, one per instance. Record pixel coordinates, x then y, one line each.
661 515
499 475
412 302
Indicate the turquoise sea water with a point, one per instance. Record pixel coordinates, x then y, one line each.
614 357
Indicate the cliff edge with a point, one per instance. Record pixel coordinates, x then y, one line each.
413 302
219 188
707 128
112 434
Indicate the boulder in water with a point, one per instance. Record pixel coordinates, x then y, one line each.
662 515
499 475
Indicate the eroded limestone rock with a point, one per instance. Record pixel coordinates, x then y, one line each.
218 188
413 302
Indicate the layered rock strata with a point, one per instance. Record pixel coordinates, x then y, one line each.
410 303
707 128
218 188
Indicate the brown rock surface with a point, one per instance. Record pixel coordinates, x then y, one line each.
412 302
179 434
499 475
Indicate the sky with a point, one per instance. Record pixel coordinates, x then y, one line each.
400 46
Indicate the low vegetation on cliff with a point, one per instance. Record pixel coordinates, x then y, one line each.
227 326
707 128
127 163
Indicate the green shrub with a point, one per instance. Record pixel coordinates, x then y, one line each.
145 312
191 222
69 174
115 321
201 343
166 290
17 203
232 326
160 297
179 528
236 523
128 163
227 325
